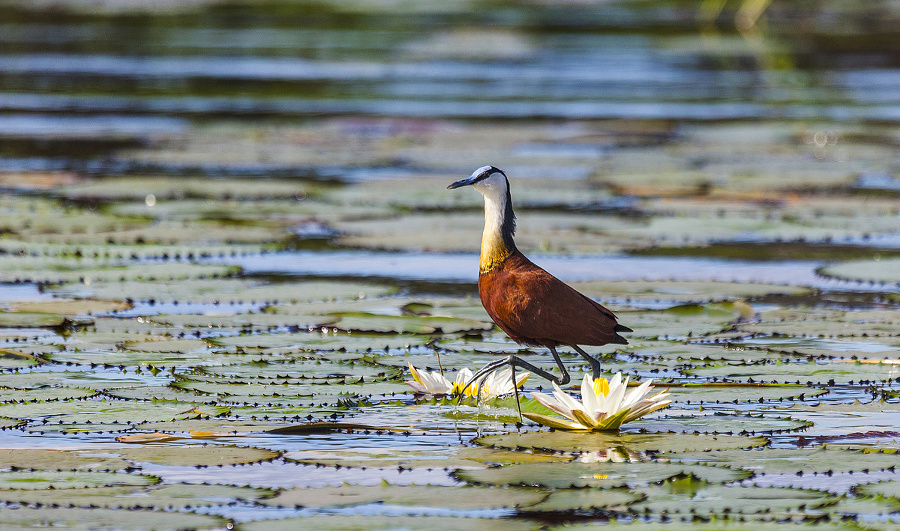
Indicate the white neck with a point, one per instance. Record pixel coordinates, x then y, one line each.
494 250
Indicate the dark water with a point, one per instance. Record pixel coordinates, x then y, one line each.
133 74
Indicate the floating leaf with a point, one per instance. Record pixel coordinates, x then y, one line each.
460 498
817 460
76 518
707 394
45 394
564 441
70 307
386 523
169 497
585 499
452 457
886 270
71 479
96 413
595 475
192 454
722 423
694 497
47 459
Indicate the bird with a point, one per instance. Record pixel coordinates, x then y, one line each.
530 305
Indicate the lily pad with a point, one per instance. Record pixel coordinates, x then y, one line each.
168 497
564 441
451 457
192 454
45 394
70 307
47 459
96 413
887 489
71 479
885 270
803 371
595 475
212 427
722 423
815 460
710 394
89 519
693 497
386 523
461 498
681 291
585 499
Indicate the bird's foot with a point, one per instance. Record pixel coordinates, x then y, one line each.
513 362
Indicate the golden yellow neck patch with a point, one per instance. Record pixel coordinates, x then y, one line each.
493 253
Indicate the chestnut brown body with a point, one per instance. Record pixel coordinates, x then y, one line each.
535 308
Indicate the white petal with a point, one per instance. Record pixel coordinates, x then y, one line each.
419 388
552 404
616 392
636 394
565 399
588 397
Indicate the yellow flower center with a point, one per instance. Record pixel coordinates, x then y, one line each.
601 385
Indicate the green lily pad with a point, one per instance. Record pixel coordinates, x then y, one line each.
451 457
803 371
595 475
89 519
681 291
885 270
303 371
45 394
694 497
31 320
224 291
10 423
887 489
386 523
169 497
193 454
815 460
681 321
47 459
461 498
566 441
874 325
585 499
13 359
69 479
211 427
708 394
70 307
721 423
96 413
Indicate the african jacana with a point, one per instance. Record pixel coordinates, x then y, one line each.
532 306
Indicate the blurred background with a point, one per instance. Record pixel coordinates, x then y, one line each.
673 127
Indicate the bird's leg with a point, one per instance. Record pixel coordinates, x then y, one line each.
515 361
512 368
595 364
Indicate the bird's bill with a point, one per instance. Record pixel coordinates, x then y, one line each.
462 182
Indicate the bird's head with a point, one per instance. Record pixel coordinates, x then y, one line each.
488 180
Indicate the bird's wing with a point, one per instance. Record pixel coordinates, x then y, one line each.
534 307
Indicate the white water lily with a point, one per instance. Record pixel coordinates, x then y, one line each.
498 383
429 383
605 405
494 385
